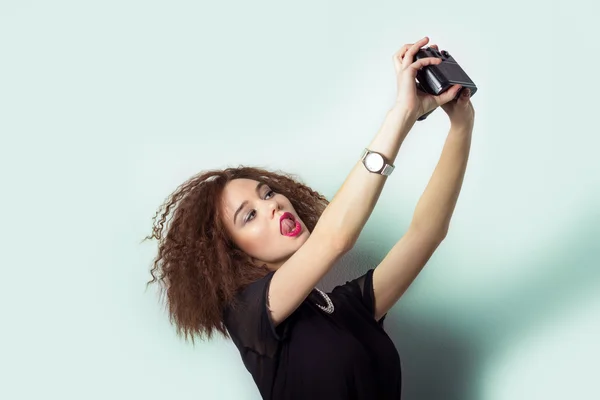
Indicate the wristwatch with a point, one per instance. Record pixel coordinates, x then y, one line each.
376 163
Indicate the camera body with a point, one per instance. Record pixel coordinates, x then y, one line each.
436 79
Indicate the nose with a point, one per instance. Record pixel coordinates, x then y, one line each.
273 207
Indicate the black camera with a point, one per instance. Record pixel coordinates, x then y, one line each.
436 79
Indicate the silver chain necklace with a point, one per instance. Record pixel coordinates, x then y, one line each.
329 309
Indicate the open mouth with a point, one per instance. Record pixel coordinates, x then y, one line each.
288 226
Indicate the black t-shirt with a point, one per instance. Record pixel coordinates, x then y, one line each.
313 355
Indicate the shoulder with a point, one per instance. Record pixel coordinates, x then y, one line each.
248 321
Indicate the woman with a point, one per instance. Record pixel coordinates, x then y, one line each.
246 247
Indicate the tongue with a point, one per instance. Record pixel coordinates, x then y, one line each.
287 225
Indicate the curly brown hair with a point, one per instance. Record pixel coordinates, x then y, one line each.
198 265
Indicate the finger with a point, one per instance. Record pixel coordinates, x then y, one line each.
464 96
448 95
399 55
407 60
435 46
417 65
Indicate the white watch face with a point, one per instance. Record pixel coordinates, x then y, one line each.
374 161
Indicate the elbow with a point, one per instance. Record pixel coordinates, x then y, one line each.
333 238
344 244
442 233
434 234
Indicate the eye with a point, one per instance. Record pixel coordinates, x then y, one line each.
253 211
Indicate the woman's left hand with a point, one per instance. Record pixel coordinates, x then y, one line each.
460 111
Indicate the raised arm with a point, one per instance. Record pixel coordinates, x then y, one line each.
339 225
431 219
437 203
354 202
344 218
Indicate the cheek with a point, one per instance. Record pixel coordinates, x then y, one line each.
260 231
255 237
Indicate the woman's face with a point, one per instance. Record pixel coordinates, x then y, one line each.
256 229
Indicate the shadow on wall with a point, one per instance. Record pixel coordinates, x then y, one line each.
442 360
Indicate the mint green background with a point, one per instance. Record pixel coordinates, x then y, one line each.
105 107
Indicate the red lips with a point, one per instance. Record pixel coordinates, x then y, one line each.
286 215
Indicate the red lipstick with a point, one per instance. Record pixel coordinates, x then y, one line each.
293 231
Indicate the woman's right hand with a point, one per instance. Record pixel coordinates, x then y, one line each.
417 102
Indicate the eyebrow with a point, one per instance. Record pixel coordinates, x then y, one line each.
260 185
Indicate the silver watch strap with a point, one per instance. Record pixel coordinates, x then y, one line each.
387 170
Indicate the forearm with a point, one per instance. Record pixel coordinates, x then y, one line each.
435 207
352 205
